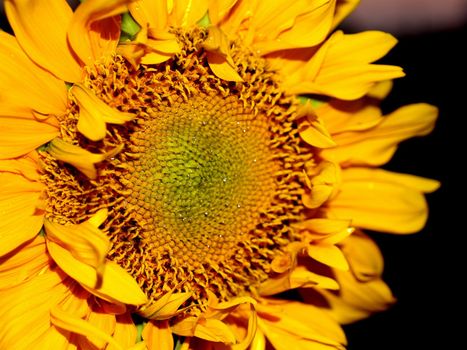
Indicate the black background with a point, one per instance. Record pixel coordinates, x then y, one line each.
423 270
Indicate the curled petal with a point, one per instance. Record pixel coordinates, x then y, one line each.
215 331
349 116
312 129
362 291
80 158
94 113
116 284
323 185
84 241
93 30
328 254
343 9
221 63
71 323
165 307
376 146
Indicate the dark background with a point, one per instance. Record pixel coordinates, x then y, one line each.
423 270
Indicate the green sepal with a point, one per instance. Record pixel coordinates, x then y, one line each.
315 101
129 27
204 22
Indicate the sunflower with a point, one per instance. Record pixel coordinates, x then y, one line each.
196 174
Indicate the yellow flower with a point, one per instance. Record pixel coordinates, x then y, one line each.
164 178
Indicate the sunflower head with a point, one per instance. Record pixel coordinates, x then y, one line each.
180 164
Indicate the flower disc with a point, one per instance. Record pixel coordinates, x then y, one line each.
202 196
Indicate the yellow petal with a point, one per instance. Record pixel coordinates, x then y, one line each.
166 306
23 263
226 307
167 46
159 51
54 338
285 322
274 25
21 221
132 52
342 66
116 285
215 331
25 308
221 67
125 331
382 201
27 166
343 9
364 256
293 25
80 158
94 31
218 9
186 13
323 185
346 116
323 226
359 300
381 90
313 131
185 327
84 241
77 325
30 88
316 135
251 333
329 255
301 277
221 63
259 341
157 335
234 313
282 263
104 322
19 136
362 291
155 57
150 13
138 346
94 113
377 145
40 27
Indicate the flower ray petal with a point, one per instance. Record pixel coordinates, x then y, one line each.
40 27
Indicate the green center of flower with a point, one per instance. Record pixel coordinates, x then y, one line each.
204 175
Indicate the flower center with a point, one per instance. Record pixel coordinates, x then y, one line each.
210 178
204 175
